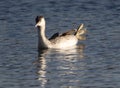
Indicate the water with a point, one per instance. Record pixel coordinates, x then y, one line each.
95 64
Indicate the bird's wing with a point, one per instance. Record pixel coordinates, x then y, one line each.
70 32
54 36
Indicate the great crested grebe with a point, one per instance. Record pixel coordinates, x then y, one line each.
67 39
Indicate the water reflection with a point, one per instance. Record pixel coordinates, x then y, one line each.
42 68
42 71
58 64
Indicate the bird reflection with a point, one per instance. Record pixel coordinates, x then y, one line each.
42 68
45 55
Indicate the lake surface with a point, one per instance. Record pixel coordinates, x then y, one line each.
94 64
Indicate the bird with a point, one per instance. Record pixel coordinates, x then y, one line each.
58 41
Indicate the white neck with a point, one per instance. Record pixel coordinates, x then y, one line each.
43 42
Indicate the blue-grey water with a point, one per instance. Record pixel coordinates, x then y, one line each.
95 64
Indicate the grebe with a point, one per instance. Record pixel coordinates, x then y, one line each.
60 41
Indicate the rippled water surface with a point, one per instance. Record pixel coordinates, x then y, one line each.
94 64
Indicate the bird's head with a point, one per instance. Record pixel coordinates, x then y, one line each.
40 21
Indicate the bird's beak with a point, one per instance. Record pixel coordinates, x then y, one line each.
36 25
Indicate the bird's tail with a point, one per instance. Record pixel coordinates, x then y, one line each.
80 32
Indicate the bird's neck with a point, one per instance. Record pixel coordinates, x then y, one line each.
43 42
